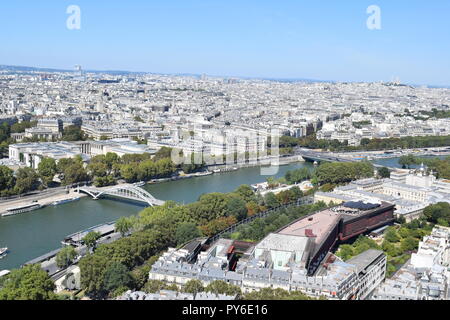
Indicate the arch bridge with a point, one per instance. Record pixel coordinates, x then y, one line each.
128 191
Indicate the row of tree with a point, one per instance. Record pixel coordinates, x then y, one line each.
366 144
104 170
342 172
261 227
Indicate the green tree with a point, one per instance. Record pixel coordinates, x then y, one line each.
65 257
236 207
117 276
74 173
245 192
438 213
163 153
26 180
221 287
271 200
7 180
73 133
407 160
345 252
28 283
47 170
123 225
129 172
185 232
193 286
154 286
391 235
276 294
409 244
90 240
93 268
384 172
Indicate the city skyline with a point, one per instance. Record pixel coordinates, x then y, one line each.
268 41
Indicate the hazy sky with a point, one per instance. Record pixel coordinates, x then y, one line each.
315 39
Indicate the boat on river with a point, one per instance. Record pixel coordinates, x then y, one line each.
21 209
3 252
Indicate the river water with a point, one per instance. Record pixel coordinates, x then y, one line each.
393 162
35 233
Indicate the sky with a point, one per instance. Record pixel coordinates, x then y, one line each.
315 39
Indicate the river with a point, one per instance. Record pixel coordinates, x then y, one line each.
35 233
393 162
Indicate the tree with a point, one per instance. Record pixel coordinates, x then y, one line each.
296 176
409 244
245 192
407 160
438 213
345 252
236 207
185 232
7 180
123 225
28 283
217 225
391 235
163 153
116 276
221 287
47 170
154 286
276 294
193 286
90 240
271 201
65 257
384 172
252 208
98 168
26 180
73 133
72 170
129 172
93 268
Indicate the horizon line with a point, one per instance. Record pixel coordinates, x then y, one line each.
275 79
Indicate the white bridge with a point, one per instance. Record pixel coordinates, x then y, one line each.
126 191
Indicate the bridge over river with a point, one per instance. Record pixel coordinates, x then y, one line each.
314 156
124 191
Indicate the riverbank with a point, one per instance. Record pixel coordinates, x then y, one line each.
391 154
218 169
43 202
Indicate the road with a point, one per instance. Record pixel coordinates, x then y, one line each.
56 273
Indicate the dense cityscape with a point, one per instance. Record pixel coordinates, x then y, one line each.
344 229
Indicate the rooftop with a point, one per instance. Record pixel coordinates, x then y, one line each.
315 226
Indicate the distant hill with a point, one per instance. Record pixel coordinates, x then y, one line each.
121 72
36 69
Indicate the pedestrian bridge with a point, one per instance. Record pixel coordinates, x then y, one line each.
128 191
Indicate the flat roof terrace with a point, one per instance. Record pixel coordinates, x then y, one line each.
318 225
